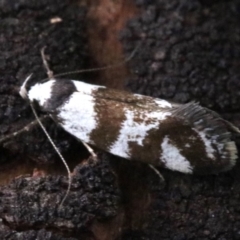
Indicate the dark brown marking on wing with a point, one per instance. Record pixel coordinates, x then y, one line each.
110 116
60 93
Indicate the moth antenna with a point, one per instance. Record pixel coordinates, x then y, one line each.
45 63
91 69
27 128
57 151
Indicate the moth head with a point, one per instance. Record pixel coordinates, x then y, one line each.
23 90
39 94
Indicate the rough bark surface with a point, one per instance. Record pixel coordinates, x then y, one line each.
191 52
34 202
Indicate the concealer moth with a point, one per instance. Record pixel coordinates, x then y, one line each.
181 137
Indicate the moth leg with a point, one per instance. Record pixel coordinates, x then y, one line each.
45 64
90 150
27 128
157 172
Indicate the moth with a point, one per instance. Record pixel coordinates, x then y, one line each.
181 137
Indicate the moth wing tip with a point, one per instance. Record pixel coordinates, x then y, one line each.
215 129
233 152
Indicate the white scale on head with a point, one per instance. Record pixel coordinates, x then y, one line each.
41 92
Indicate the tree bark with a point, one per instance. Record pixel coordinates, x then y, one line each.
190 51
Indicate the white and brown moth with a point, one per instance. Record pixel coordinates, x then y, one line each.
182 137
